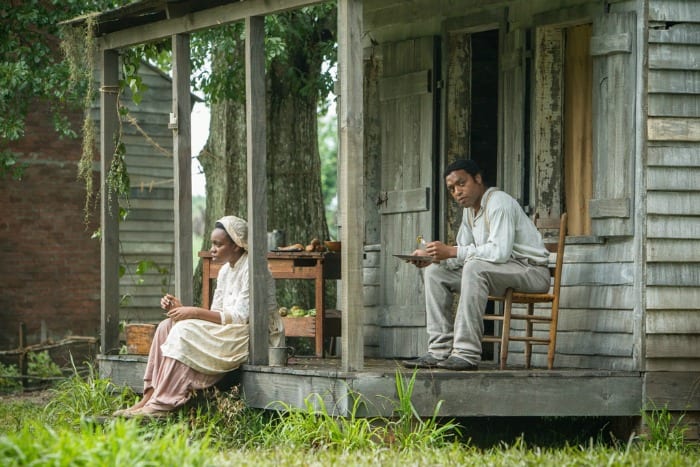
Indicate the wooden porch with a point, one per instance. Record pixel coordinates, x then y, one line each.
488 392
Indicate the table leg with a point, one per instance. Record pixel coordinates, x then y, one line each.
319 308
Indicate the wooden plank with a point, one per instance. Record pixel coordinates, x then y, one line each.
256 145
672 345
351 165
409 84
605 321
673 227
674 274
674 105
673 298
403 342
674 57
416 199
667 250
673 129
614 123
598 274
674 154
598 297
406 315
601 362
109 222
672 322
674 390
674 81
142 248
676 364
608 44
182 168
682 33
602 208
591 343
267 390
613 250
680 203
674 11
196 21
502 394
673 178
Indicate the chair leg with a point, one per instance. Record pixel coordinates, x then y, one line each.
505 331
528 333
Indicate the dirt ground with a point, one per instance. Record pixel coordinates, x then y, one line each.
37 397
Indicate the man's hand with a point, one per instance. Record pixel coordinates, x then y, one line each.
439 251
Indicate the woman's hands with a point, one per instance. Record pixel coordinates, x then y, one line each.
168 302
174 309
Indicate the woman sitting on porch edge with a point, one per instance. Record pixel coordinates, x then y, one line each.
194 347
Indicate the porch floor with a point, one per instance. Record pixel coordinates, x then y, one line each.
489 392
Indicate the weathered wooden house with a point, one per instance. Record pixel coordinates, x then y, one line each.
586 106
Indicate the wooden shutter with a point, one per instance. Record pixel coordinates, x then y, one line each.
614 110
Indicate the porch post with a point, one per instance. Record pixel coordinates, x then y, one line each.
109 207
180 120
257 186
351 181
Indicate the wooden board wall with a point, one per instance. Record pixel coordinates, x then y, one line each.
673 195
147 232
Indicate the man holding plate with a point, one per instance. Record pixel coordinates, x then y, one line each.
498 246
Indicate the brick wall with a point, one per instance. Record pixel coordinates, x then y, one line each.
49 265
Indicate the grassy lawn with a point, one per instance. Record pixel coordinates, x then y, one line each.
68 425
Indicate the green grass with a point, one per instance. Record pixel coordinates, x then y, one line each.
217 428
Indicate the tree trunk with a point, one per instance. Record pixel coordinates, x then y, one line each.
295 199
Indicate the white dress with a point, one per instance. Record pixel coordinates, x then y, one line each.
215 348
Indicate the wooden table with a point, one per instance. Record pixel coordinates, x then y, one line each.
316 266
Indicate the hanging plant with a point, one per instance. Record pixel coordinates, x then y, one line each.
79 49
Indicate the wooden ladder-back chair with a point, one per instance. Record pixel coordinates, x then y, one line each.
530 299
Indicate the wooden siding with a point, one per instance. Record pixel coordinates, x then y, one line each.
147 233
672 318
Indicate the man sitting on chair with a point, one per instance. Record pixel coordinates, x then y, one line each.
498 246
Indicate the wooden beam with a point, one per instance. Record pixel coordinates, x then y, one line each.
109 207
257 186
218 16
182 166
350 66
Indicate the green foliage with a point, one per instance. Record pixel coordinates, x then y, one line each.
40 364
410 430
79 396
218 429
663 431
31 69
9 379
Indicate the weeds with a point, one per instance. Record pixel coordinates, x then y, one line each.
78 397
662 431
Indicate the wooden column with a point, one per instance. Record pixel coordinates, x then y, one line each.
257 187
180 122
109 207
351 181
